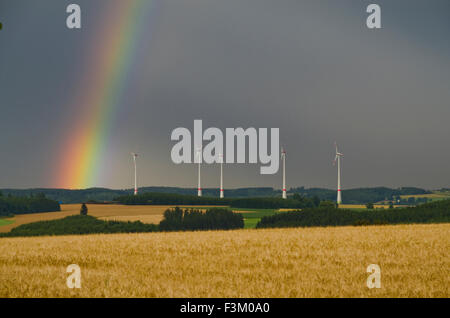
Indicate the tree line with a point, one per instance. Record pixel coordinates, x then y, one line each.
179 219
10 205
434 212
79 224
152 198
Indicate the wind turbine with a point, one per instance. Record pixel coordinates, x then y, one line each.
221 175
135 173
199 154
338 159
283 157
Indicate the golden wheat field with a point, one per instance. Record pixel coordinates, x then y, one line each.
435 195
303 262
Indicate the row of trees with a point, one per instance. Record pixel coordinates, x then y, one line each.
435 212
179 219
10 205
155 198
152 198
66 196
79 224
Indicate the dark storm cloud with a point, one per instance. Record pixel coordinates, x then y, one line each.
311 68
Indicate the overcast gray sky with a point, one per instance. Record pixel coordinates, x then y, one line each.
311 68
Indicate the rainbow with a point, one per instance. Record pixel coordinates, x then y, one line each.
99 97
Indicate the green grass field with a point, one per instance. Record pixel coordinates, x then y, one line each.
5 222
251 223
252 218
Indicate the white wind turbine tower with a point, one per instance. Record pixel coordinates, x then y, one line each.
221 176
283 157
199 154
338 158
135 173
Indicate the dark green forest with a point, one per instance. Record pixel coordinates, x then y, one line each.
10 205
179 219
79 224
434 212
151 198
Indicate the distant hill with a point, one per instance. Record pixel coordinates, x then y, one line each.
351 196
70 196
103 194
